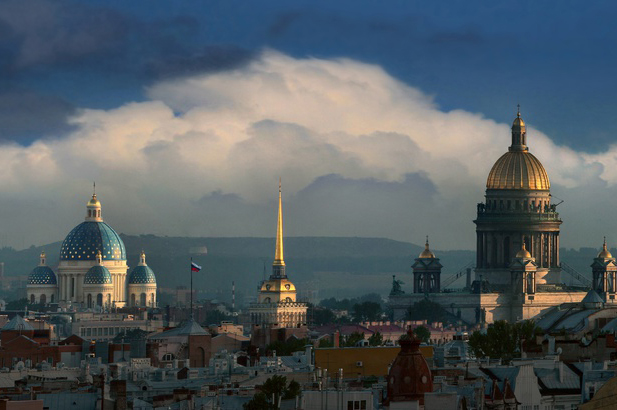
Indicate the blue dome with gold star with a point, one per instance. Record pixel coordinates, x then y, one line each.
42 275
141 275
97 275
83 242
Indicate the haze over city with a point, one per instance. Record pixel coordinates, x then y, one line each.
381 120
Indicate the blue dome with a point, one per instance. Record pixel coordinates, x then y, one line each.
87 238
141 274
42 275
97 275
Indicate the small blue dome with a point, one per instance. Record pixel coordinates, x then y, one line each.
42 275
87 238
97 275
141 274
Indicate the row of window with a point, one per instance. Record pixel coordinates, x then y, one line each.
43 299
104 331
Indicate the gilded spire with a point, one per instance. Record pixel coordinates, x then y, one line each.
279 261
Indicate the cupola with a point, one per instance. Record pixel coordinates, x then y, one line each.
93 209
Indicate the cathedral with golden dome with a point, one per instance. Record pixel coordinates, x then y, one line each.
92 271
517 271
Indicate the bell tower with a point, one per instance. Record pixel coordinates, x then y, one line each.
604 268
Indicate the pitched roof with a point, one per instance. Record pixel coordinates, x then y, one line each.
17 323
188 328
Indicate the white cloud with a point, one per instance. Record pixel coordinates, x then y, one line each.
360 153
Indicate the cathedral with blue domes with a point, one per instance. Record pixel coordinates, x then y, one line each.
92 272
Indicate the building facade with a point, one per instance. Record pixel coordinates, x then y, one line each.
92 272
518 271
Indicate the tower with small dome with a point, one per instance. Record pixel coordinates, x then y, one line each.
42 284
142 285
426 272
604 270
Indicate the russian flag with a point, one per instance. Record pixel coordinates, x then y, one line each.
195 267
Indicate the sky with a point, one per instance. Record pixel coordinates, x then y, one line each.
383 119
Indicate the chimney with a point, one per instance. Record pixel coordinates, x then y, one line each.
336 337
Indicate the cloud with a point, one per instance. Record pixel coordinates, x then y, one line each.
26 115
42 31
360 153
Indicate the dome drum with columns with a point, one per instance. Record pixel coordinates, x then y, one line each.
93 271
517 208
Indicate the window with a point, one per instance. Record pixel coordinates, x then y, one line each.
363 404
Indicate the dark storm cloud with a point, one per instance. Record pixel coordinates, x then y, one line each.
209 59
27 115
86 48
42 32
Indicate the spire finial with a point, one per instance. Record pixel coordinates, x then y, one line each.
518 110
93 189
279 262
604 243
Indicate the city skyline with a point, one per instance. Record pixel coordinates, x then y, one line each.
192 141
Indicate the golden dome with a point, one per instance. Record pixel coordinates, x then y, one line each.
604 253
518 170
93 201
426 253
523 253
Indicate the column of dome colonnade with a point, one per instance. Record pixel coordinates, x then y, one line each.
517 208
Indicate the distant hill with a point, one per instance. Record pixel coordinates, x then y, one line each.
332 266
328 266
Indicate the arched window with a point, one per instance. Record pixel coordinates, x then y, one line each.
52 298
43 299
152 299
32 299
89 300
167 357
267 300
142 299
108 300
132 299
99 299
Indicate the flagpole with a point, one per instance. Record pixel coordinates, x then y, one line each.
191 288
